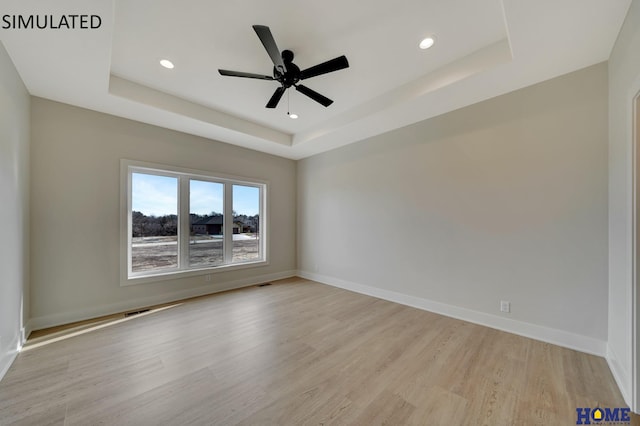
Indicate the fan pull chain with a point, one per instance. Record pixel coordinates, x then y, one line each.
292 116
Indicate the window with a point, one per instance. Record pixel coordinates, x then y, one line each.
246 223
206 220
154 222
177 221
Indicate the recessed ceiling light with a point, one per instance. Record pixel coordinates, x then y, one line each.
166 63
293 116
427 43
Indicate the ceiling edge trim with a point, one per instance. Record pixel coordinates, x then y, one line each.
481 60
139 93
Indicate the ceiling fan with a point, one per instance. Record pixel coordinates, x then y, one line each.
286 72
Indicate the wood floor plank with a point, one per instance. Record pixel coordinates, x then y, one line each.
297 352
386 409
165 403
438 407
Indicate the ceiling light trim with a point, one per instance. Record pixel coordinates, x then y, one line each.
167 64
427 42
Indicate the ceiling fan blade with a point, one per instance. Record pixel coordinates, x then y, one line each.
273 102
325 67
314 95
265 36
245 74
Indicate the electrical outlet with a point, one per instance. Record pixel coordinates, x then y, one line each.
207 277
505 306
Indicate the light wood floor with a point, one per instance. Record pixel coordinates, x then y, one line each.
298 352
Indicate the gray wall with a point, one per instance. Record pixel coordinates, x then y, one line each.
14 209
75 213
502 200
624 85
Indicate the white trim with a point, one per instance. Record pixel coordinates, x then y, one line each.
5 363
26 332
633 398
46 321
7 358
183 175
125 230
183 222
163 169
627 370
550 335
264 223
227 223
619 374
176 275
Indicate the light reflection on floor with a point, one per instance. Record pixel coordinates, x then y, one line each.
86 328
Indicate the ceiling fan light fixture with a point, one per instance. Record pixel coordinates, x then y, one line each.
166 63
427 42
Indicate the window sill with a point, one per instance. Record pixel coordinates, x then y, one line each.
176 275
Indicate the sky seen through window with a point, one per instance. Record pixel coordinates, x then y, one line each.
154 195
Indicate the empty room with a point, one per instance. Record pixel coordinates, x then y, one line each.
282 213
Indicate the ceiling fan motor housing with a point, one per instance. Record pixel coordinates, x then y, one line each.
292 75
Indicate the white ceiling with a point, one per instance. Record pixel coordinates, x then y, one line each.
484 48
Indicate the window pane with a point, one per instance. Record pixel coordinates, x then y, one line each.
246 223
154 220
206 245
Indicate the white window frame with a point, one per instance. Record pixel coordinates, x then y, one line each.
128 167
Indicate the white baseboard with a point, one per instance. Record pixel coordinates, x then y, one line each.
546 334
8 354
46 321
26 331
620 375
